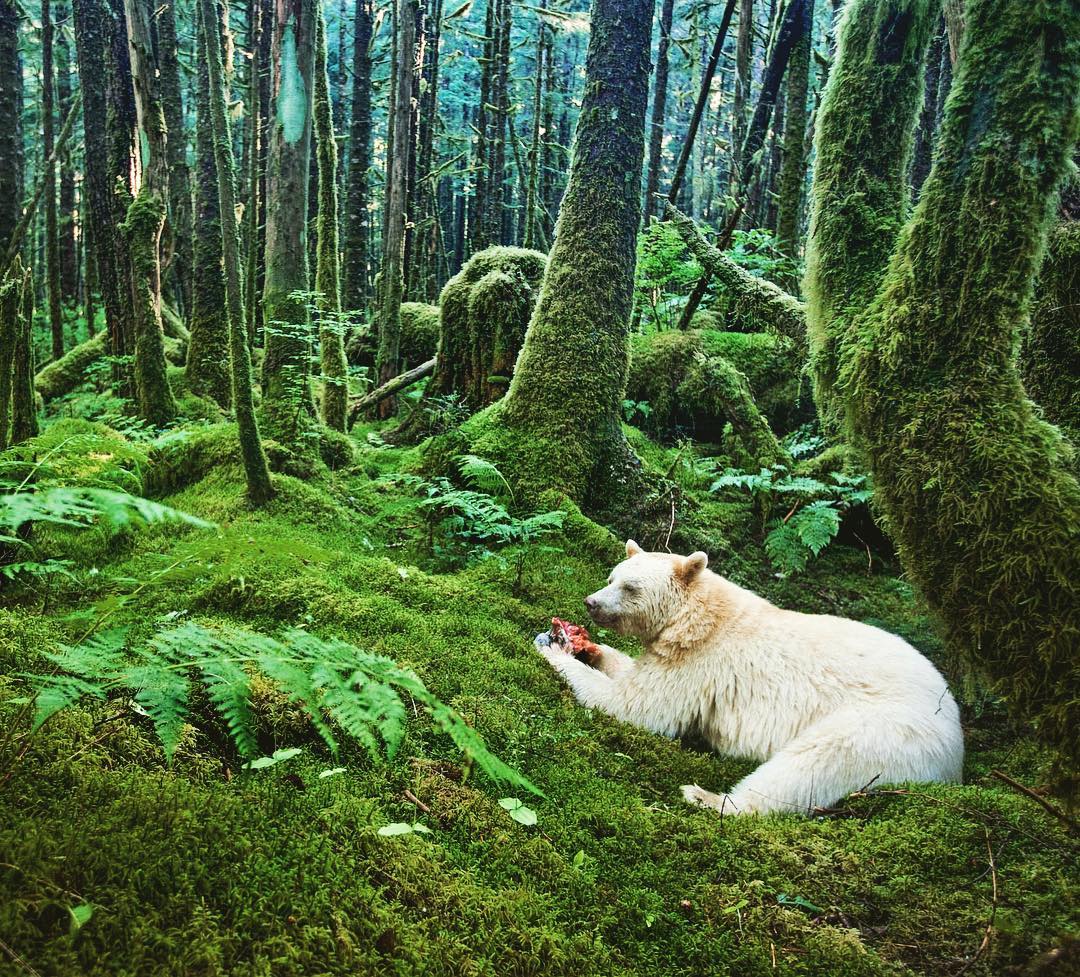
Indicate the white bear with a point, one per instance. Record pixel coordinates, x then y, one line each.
829 705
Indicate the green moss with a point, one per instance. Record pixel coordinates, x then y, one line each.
974 487
419 337
665 373
63 375
1050 355
205 867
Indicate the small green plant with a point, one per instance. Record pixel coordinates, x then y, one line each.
465 525
801 515
341 688
632 408
665 275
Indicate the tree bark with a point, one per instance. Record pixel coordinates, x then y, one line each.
11 191
69 255
256 468
389 328
287 398
356 267
52 229
659 109
560 422
335 368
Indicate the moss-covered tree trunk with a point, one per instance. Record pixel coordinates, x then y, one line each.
256 469
744 47
180 222
389 319
145 222
24 413
109 251
52 228
355 267
11 287
973 486
335 368
10 130
287 397
793 171
532 233
207 368
561 418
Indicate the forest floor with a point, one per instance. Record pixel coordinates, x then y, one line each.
201 867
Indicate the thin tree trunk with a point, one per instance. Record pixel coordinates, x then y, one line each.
335 368
389 330
702 99
793 172
179 198
356 283
256 468
659 108
69 256
52 231
11 191
478 210
24 414
744 47
532 232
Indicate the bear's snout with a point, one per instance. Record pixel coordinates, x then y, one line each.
591 604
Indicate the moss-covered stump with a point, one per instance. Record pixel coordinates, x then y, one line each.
1050 356
419 337
665 373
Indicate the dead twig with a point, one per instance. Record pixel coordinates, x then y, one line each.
993 908
1070 823
413 799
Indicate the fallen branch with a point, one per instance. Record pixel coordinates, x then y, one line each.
1070 823
993 908
784 313
391 387
413 799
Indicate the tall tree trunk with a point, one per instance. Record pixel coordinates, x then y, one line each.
24 412
145 223
659 108
287 398
256 469
389 329
69 255
793 171
256 139
560 421
179 198
356 283
744 48
207 368
975 488
335 368
425 244
479 204
702 100
106 250
11 191
532 232
52 230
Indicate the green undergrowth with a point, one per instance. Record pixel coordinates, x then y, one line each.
203 867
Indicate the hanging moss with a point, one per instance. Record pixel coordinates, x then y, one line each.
661 364
1050 356
560 422
973 485
419 337
860 172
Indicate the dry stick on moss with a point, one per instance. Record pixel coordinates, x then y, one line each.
993 908
256 467
781 312
391 387
31 208
1070 823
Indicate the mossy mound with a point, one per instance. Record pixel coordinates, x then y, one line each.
203 867
419 337
661 363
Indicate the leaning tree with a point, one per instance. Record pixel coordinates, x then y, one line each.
559 424
914 324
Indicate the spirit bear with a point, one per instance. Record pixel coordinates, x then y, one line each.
828 705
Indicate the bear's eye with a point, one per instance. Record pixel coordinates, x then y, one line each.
631 588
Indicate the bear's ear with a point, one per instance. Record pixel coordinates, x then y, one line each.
632 548
693 565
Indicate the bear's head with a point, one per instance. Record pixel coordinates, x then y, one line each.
645 592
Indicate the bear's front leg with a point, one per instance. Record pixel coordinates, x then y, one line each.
591 688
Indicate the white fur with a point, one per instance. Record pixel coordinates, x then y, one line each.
829 705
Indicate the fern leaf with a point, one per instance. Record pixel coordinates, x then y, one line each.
229 689
162 690
58 692
816 525
482 474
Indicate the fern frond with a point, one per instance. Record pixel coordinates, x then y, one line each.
162 690
57 692
64 506
482 474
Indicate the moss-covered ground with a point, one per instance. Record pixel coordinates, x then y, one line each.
203 868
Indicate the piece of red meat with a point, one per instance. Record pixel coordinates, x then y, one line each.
575 639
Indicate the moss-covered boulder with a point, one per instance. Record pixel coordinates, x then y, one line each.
665 373
419 337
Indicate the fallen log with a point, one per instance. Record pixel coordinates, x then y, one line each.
63 375
388 389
